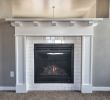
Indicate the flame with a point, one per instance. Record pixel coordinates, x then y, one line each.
53 68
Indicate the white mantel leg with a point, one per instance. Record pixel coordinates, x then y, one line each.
87 64
20 65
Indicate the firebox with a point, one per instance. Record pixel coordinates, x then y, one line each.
53 63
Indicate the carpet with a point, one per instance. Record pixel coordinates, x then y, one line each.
54 95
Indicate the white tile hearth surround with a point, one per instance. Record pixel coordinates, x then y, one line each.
27 33
30 41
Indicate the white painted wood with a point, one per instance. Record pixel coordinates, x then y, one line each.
20 65
85 59
21 88
91 61
25 67
86 65
45 29
86 88
54 31
16 58
51 19
19 60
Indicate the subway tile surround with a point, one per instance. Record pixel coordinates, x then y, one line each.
52 40
80 34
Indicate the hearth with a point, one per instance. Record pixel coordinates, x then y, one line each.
53 63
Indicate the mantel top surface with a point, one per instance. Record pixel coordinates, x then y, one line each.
51 19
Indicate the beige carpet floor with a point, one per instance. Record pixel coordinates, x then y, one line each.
54 95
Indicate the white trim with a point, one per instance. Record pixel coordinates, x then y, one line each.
16 58
21 88
28 30
54 31
86 64
56 19
25 69
91 69
7 88
86 88
101 88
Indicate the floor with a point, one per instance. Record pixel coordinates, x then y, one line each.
54 95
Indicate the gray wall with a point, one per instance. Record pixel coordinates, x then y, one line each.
0 56
101 67
5 8
8 54
102 8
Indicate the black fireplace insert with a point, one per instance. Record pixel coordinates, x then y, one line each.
53 63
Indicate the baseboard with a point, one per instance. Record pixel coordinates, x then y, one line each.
10 88
7 88
101 88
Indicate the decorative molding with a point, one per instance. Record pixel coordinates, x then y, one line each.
72 23
54 23
7 88
18 22
100 88
36 23
93 23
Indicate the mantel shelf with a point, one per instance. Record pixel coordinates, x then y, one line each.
55 19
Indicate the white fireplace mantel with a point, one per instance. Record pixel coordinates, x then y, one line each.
25 28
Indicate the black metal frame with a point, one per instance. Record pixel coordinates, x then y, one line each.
59 48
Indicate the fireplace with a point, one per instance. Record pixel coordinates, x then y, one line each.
53 63
54 57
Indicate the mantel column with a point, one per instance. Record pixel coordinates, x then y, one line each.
87 46
20 64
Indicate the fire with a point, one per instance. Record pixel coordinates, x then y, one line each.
54 68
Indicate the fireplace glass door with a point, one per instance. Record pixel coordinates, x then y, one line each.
53 63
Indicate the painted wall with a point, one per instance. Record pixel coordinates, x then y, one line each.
5 8
102 9
43 8
8 54
101 69
0 55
